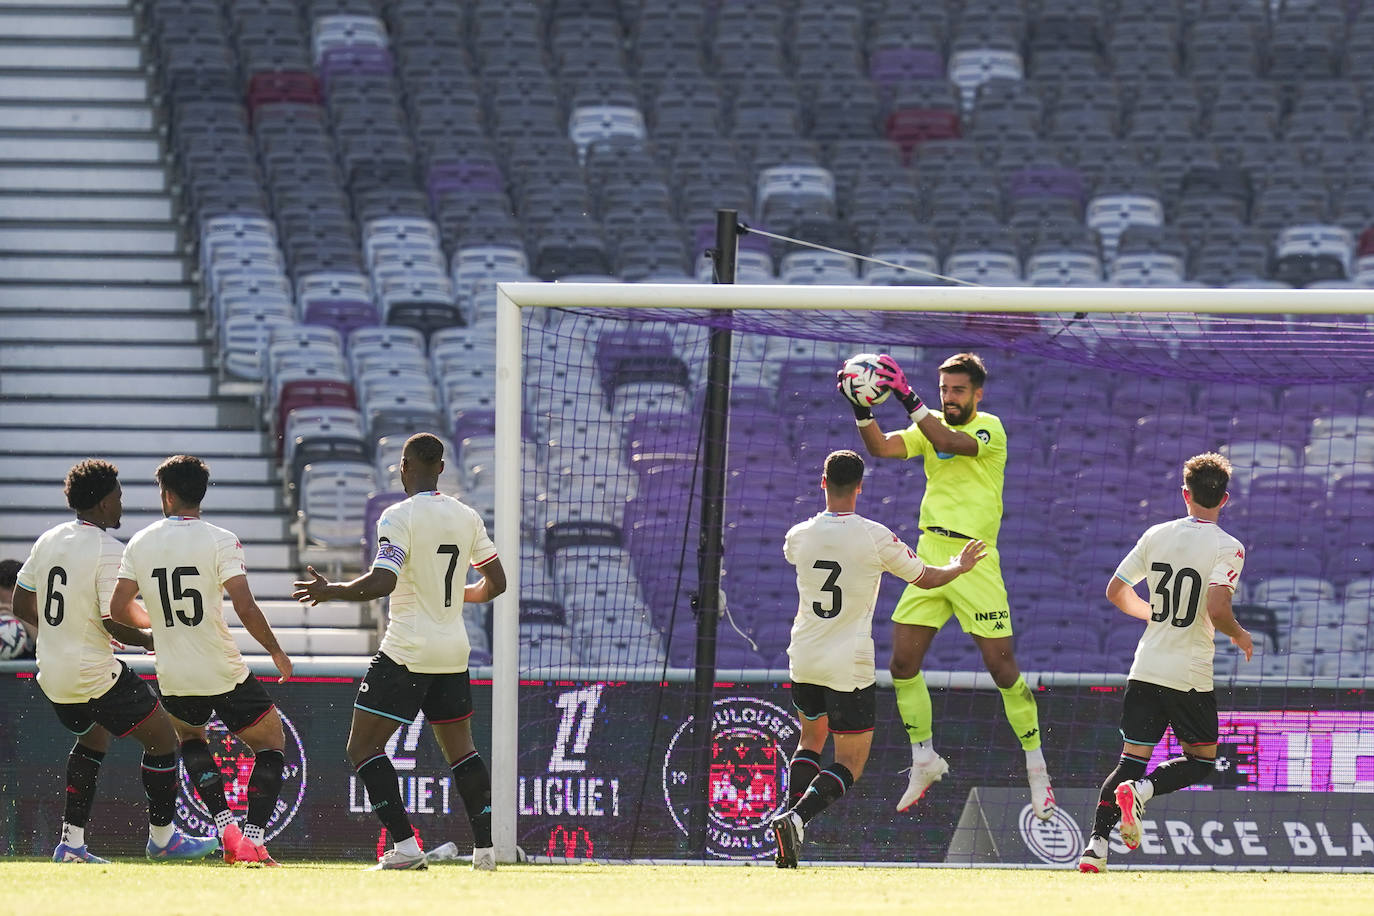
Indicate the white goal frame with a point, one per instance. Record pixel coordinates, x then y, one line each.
512 298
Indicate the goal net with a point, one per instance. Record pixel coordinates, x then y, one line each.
602 444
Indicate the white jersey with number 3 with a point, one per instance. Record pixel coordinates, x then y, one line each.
72 570
181 565
840 560
429 541
1180 560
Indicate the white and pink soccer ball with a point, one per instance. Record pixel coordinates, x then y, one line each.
859 380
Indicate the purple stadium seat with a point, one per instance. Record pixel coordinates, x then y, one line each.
463 176
1353 491
1046 182
891 67
356 60
1286 490
1270 560
1307 400
1352 561
342 315
616 347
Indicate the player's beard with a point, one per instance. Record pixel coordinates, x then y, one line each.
956 414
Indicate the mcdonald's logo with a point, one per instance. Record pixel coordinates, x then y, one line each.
564 842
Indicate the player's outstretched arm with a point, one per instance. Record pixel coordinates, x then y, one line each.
1126 598
1224 619
255 622
376 583
935 576
493 583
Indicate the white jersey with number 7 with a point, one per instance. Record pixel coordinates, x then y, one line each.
429 541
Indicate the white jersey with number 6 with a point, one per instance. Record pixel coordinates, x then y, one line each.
71 570
429 541
840 559
181 565
1180 560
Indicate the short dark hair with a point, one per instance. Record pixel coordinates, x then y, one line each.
843 469
9 573
424 449
89 482
1206 477
184 476
970 364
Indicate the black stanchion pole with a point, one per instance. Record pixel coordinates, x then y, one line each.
715 419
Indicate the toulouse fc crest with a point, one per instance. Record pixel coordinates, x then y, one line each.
747 779
235 761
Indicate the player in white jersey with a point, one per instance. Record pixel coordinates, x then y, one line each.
95 694
425 545
840 558
1192 567
183 565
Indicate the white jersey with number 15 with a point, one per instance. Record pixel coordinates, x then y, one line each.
429 541
181 565
840 559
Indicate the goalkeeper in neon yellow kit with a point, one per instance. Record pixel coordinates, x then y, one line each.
965 456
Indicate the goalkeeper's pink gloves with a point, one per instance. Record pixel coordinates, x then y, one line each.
894 379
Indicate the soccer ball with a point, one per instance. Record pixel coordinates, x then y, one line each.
14 639
859 380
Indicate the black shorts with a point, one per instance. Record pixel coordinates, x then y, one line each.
1148 709
119 710
850 713
395 692
240 708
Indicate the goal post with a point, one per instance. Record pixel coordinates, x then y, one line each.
1189 325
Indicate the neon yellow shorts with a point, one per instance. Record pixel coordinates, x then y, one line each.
978 597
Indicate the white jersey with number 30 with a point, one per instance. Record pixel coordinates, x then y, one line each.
429 541
1180 560
840 560
71 570
181 565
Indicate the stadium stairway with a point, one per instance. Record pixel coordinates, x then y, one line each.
104 351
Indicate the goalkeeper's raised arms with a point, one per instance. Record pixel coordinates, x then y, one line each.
894 379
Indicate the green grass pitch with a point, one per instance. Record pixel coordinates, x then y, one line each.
333 889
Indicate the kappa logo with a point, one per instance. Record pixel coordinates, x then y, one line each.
235 764
983 436
1056 841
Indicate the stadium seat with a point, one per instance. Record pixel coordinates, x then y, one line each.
332 500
